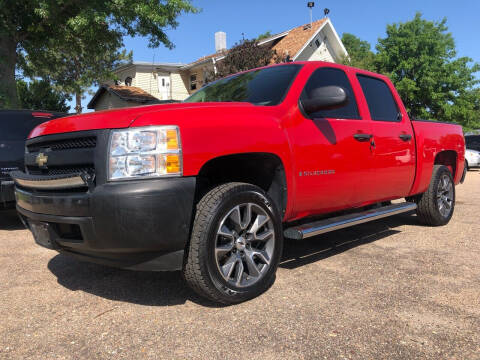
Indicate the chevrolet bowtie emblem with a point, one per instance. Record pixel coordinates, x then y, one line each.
41 159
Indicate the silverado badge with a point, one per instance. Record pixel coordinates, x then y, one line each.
41 159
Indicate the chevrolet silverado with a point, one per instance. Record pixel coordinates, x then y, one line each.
211 186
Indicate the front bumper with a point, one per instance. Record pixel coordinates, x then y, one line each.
141 225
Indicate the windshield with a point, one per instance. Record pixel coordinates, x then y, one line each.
473 142
266 86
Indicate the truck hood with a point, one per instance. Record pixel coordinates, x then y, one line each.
118 118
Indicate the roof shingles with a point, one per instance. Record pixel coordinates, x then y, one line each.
296 38
126 93
131 93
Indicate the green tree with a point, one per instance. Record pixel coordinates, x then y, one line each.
245 56
40 95
359 51
420 58
39 28
265 35
77 63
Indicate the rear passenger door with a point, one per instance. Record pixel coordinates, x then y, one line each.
394 150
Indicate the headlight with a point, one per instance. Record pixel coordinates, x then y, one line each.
145 152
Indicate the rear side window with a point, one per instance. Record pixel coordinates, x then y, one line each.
328 77
15 126
379 98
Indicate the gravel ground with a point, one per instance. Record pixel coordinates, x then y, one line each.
388 289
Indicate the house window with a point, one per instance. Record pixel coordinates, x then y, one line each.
128 81
317 42
193 82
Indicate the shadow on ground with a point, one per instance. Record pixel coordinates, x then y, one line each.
168 288
138 287
9 220
297 253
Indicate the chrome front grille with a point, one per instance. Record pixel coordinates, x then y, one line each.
61 154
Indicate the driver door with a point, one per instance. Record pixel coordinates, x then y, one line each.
332 150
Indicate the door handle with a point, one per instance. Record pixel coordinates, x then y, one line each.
363 137
405 137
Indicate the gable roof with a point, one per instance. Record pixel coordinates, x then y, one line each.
289 42
296 38
126 93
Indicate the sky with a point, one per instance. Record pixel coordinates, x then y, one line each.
368 19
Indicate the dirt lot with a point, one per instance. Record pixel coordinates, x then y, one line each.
388 289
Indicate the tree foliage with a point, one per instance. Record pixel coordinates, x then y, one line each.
58 31
40 95
420 58
265 35
245 56
359 51
77 63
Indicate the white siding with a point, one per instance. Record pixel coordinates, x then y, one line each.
146 81
321 52
179 86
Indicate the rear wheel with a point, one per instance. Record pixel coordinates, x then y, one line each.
436 205
236 244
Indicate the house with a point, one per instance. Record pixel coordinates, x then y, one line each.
117 96
176 81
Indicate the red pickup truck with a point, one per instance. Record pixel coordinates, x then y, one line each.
211 186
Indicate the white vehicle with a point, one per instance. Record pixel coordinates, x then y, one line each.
472 157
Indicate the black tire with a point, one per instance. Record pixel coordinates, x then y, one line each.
429 211
201 268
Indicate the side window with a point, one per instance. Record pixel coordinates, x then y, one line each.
327 77
379 98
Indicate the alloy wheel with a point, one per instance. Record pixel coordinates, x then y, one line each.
244 244
445 195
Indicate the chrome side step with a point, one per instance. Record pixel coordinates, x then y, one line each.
323 226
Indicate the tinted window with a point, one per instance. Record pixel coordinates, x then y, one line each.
473 142
328 77
379 98
266 86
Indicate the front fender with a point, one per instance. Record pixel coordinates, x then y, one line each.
211 132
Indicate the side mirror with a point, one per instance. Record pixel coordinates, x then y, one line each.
325 98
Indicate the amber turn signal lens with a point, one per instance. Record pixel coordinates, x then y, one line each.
172 139
173 164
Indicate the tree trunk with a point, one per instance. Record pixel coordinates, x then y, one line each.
8 60
78 100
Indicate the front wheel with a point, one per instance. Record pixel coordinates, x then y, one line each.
435 206
236 244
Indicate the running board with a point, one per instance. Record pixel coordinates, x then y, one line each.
323 226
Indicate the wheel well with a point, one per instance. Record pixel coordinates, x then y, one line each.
447 158
262 169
